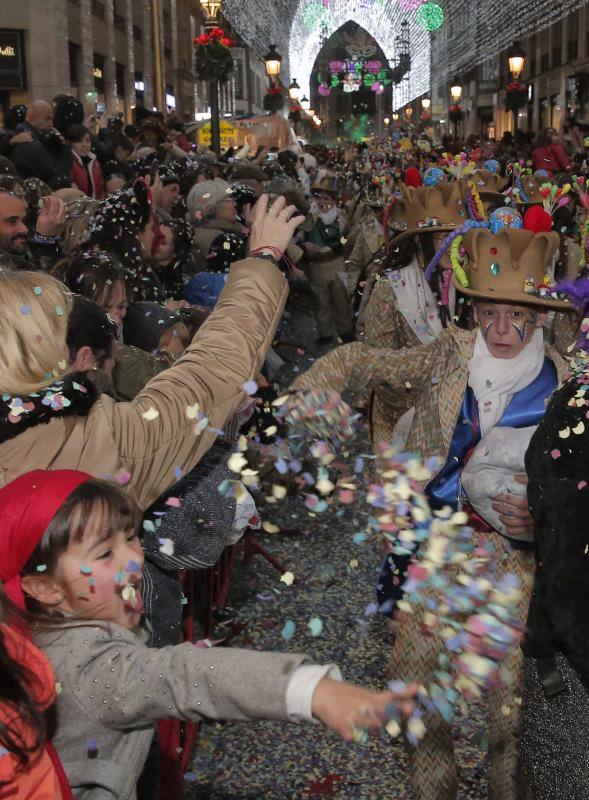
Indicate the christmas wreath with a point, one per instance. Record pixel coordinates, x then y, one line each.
516 96
212 57
456 113
273 99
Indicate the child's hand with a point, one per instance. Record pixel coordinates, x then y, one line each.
346 708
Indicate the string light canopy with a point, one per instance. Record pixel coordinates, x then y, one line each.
490 27
382 20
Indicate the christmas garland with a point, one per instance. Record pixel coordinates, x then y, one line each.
212 56
456 113
273 99
516 96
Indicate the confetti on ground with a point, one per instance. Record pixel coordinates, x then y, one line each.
268 763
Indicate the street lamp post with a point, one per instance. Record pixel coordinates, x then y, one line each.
516 60
456 94
293 90
211 9
273 64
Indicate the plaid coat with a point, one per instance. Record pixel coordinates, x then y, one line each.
435 375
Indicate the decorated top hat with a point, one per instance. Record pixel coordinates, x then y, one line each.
328 184
489 186
433 209
509 267
526 191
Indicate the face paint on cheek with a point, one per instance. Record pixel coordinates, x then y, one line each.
521 332
487 329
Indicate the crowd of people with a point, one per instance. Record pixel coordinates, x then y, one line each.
142 283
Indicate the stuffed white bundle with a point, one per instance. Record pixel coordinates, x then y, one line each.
491 470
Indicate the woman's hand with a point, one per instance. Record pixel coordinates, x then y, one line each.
514 512
346 708
273 227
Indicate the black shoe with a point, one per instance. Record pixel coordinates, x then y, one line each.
224 616
347 337
324 340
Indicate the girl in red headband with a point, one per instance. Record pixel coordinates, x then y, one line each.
69 545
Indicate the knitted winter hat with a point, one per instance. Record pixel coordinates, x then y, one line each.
144 324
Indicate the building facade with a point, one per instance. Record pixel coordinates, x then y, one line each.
107 51
556 73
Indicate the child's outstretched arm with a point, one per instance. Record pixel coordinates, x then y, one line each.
107 674
346 708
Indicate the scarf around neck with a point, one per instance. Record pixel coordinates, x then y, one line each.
494 381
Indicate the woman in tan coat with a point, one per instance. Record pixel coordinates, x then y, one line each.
49 418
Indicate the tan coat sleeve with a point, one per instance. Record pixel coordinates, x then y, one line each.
153 436
353 368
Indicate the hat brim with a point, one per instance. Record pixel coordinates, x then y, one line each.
322 190
489 196
419 231
519 298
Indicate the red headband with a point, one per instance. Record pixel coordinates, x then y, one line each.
27 506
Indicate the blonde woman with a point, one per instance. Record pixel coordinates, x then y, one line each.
52 419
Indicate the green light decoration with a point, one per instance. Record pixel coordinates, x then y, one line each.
430 16
369 79
315 15
384 76
356 129
334 81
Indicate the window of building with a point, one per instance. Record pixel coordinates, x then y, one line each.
98 9
98 72
137 33
167 52
139 86
120 79
75 58
544 62
239 75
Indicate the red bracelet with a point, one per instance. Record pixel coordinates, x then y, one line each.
268 248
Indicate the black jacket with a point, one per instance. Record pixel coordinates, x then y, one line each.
46 157
557 464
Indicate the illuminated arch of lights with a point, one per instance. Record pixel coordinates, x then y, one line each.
382 20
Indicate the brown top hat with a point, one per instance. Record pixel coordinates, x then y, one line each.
529 194
432 209
489 185
510 267
247 171
328 184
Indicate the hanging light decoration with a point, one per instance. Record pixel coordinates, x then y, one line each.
430 16
410 5
315 15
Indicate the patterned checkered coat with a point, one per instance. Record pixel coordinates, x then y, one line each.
434 375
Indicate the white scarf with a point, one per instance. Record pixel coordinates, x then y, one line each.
329 217
494 381
416 301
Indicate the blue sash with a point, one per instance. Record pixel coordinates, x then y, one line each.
526 408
